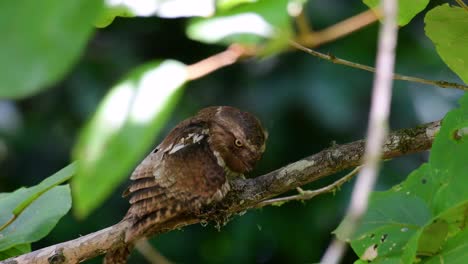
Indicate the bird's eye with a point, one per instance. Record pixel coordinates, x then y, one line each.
238 143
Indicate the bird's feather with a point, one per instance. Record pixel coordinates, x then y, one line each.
169 182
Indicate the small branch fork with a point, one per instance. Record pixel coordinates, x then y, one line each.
339 30
309 194
245 194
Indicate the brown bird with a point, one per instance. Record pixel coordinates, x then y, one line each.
192 167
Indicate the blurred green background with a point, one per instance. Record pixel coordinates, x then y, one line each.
305 103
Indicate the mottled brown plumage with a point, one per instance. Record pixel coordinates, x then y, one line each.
192 167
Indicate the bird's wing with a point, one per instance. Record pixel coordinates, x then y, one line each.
181 175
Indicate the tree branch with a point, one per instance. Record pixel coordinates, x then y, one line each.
231 55
245 194
309 194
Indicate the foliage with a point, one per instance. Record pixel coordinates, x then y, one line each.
419 217
423 218
249 23
406 9
15 251
122 129
39 50
29 214
446 27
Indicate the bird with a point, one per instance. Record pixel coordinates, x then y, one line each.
192 167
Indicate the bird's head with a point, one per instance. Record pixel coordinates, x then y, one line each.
236 137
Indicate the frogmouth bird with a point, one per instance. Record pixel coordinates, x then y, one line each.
192 166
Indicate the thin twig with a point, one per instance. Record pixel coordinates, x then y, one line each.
235 52
244 194
462 4
377 130
150 253
225 58
309 194
336 60
340 29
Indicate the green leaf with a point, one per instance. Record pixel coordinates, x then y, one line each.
446 27
433 237
406 9
455 250
122 130
161 8
111 12
447 224
451 169
421 182
38 219
41 41
228 4
57 178
15 251
12 206
28 214
248 23
392 219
